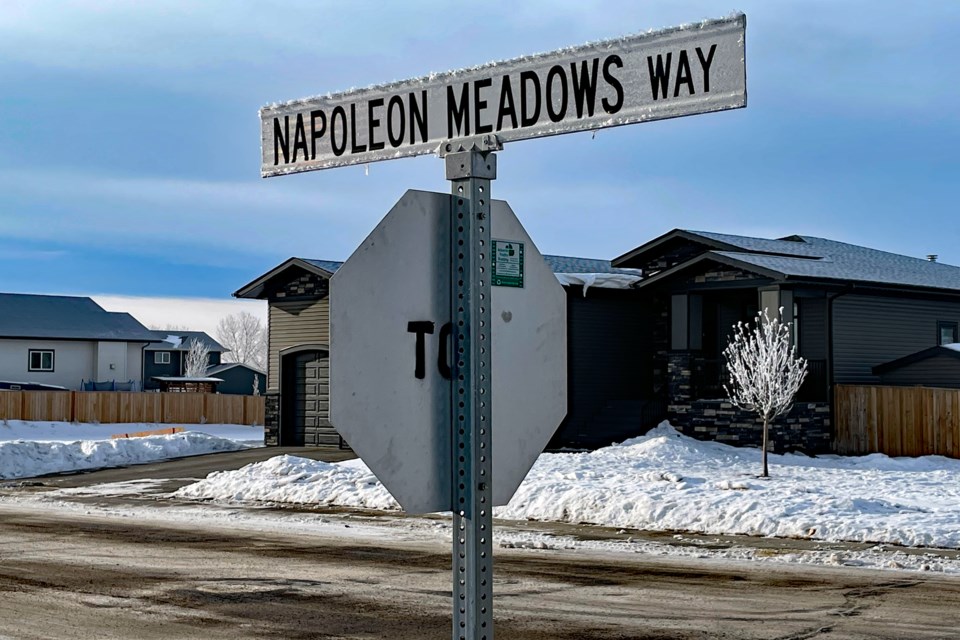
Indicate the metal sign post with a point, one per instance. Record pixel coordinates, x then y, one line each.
470 174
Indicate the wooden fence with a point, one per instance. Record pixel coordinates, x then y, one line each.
897 421
125 406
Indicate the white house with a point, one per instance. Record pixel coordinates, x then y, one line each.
64 340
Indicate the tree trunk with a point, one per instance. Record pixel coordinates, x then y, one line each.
763 455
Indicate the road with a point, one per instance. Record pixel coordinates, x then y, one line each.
70 575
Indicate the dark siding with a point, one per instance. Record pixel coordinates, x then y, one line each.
937 371
871 330
813 328
239 381
610 366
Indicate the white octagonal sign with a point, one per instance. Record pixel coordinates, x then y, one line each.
389 352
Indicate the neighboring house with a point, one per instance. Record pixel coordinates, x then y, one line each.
238 379
850 308
646 333
603 386
166 357
64 340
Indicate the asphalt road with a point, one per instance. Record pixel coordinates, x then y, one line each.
76 576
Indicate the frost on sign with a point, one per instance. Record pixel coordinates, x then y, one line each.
664 74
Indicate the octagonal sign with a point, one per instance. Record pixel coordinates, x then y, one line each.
390 342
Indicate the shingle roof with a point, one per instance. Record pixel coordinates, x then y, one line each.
832 260
230 365
326 265
559 264
568 264
66 318
186 337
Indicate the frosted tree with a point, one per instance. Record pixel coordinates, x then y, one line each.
764 371
197 360
256 384
245 337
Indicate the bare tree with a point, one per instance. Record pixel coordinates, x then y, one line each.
197 359
765 371
246 338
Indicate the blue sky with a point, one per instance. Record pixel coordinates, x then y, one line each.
129 150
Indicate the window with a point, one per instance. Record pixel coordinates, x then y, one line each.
946 332
161 357
40 360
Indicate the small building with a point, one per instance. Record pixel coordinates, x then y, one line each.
239 379
185 384
65 340
937 366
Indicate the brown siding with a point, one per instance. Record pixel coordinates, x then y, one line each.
292 323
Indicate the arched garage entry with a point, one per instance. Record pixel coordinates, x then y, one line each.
305 397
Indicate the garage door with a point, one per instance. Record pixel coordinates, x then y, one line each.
309 409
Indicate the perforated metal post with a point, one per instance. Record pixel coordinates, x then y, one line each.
470 173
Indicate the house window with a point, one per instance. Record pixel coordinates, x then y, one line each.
161 357
40 360
946 332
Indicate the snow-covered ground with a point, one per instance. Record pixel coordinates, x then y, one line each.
666 481
661 481
30 449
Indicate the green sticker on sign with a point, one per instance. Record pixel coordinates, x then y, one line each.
507 263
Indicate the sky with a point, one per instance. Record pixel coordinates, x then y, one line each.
130 148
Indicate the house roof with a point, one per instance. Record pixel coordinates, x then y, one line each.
948 350
326 268
256 288
568 264
231 365
183 340
811 258
66 318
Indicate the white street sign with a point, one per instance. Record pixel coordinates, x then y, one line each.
680 71
389 359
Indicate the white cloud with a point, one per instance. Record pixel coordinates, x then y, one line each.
196 314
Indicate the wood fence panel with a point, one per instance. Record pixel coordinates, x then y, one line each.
56 406
11 405
108 407
897 421
254 410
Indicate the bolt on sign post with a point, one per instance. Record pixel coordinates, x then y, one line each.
464 117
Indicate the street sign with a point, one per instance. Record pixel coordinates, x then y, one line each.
391 360
680 71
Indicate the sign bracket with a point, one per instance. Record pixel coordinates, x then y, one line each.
470 174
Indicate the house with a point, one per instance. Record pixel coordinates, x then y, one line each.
166 357
850 309
600 306
646 333
64 340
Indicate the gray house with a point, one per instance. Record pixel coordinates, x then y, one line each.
599 303
64 340
646 333
851 308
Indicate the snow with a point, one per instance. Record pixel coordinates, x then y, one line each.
599 280
953 346
29 449
667 481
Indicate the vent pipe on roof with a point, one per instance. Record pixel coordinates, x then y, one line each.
932 257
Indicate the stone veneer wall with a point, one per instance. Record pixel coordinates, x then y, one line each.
807 427
271 421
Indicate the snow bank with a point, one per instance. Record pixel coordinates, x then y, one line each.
51 431
25 459
667 481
